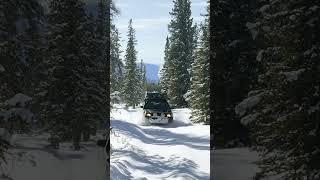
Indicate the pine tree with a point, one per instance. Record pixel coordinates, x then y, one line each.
106 11
234 67
180 53
142 81
164 74
199 93
152 86
93 96
66 62
19 48
116 64
285 114
131 79
19 54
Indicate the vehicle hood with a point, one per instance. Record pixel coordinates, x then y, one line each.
157 111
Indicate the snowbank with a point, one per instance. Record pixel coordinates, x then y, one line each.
235 163
30 159
248 103
24 114
249 118
18 100
292 75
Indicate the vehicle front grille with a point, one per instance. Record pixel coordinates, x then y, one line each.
159 114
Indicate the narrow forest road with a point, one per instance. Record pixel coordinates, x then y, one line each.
178 150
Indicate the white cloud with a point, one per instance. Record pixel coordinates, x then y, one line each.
162 4
122 5
199 4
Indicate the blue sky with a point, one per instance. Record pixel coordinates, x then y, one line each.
150 20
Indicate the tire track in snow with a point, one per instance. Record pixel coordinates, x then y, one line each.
174 151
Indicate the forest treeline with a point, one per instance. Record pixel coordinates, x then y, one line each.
59 58
265 82
262 82
184 77
54 70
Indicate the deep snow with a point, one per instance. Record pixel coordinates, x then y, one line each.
175 151
234 164
30 159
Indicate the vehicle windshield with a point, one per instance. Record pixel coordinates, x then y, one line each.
153 95
157 105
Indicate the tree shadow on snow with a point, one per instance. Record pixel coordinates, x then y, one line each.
160 136
175 124
172 168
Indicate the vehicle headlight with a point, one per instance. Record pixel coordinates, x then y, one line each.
148 114
168 115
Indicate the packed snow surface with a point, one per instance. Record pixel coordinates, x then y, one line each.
175 151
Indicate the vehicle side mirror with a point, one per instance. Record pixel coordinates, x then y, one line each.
102 142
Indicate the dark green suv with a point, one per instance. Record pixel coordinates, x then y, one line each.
156 109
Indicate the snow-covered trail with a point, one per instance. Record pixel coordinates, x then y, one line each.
176 151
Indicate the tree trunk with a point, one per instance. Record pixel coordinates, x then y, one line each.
86 136
54 142
76 142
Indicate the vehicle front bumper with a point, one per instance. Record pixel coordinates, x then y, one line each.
157 120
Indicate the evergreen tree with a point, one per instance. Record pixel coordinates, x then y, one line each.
106 10
142 80
20 52
180 53
283 111
93 97
199 93
151 86
131 79
112 9
19 48
164 74
116 64
67 60
234 67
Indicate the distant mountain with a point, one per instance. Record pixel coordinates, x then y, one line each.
152 72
